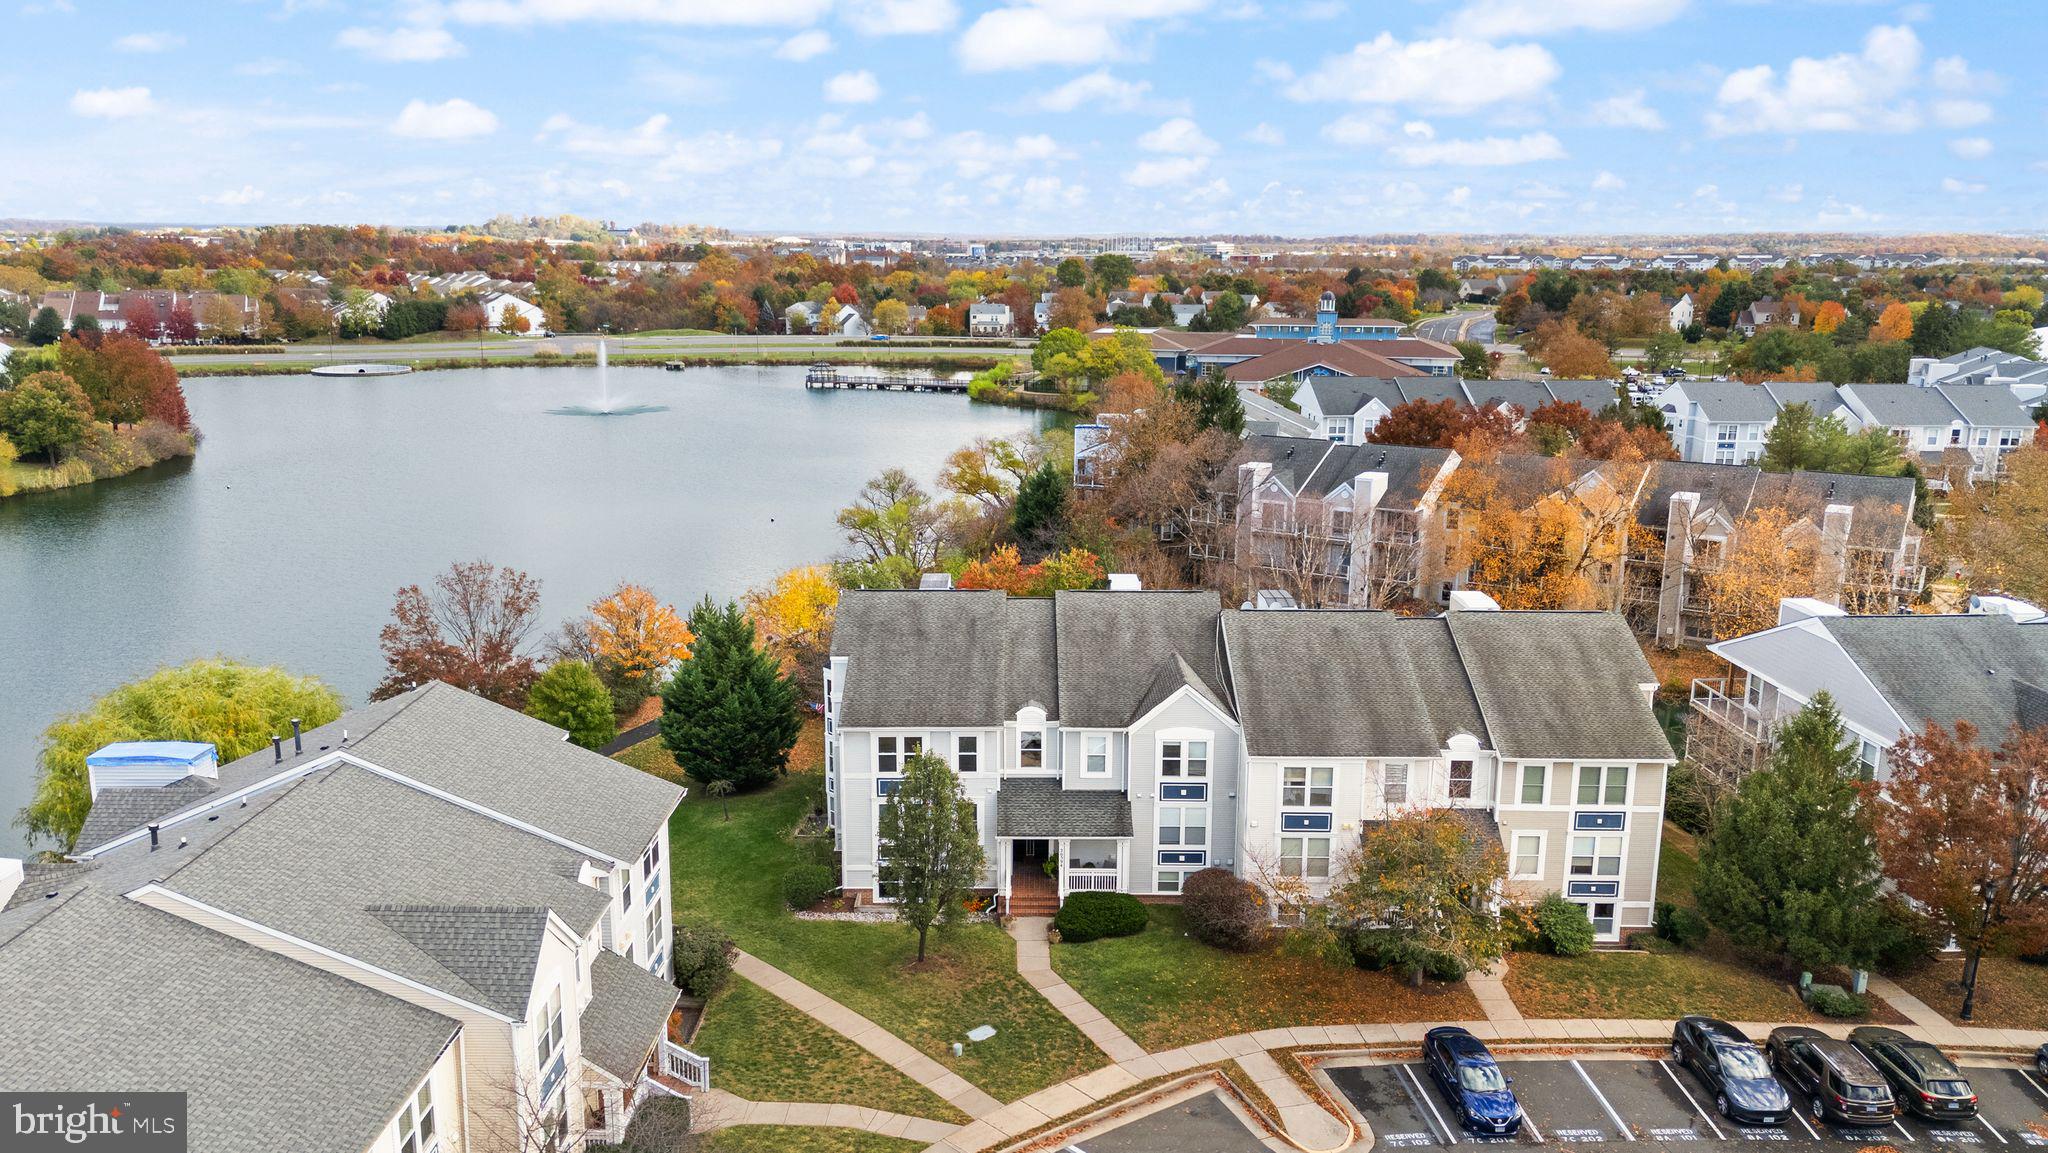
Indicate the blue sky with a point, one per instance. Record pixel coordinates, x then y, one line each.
1296 117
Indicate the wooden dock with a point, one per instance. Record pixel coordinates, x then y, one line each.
883 379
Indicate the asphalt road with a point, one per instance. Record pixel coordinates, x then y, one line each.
1474 325
1198 1125
406 353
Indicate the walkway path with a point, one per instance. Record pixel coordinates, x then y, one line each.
1489 986
717 1109
1034 964
893 1050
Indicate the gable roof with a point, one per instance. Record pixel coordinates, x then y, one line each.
1730 401
1560 684
1039 807
1273 358
493 950
1099 632
1902 405
1345 395
1986 669
628 1011
953 657
1347 683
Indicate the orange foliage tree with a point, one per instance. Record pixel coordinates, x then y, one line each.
636 635
1895 323
1829 317
1076 568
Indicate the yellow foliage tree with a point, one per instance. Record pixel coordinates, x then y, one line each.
1548 536
1743 579
1895 323
637 635
1829 317
793 617
1992 534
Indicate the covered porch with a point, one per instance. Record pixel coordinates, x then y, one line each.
630 1048
1052 841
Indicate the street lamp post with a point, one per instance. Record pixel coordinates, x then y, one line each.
1986 890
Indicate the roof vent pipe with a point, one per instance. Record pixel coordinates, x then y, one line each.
276 749
297 748
152 838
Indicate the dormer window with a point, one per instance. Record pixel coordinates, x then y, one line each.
1461 780
1031 748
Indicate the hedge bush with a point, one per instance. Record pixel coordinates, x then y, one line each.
805 885
1835 1001
1088 916
1563 927
1223 910
1679 925
1911 939
703 958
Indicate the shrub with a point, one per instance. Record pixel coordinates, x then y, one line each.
1688 799
1563 927
1223 910
703 958
1835 1001
1910 939
1679 925
1087 916
1444 967
807 884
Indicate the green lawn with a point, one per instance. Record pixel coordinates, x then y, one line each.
731 872
1678 867
2010 994
763 1051
1166 989
802 1139
1652 986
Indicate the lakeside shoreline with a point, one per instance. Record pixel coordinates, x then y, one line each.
971 362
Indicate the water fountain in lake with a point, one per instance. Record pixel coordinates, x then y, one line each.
604 406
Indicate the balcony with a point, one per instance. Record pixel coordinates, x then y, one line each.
1710 698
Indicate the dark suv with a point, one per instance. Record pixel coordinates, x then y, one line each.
1923 1079
1843 1084
1732 1069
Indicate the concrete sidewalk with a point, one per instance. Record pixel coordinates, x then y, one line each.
1034 964
717 1109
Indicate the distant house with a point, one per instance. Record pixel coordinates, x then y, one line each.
849 322
990 319
1767 311
501 307
804 315
1680 313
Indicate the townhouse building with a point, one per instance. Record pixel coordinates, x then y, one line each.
1131 738
1890 676
1346 408
431 925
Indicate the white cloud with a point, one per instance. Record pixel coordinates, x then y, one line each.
1102 91
408 44
1387 71
901 17
805 45
1418 130
709 153
1870 91
112 103
853 88
1359 128
1266 134
1788 193
1628 110
1960 188
265 66
1953 113
1498 19
241 197
1970 147
1490 151
1180 136
1165 170
1608 182
1459 195
1837 214
449 120
688 13
1030 33
149 42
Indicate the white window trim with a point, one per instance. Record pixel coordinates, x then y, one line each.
1628 785
1308 788
1108 754
979 752
1182 737
1022 732
1542 853
1520 784
1620 874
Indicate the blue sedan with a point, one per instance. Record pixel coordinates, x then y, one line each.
1465 1070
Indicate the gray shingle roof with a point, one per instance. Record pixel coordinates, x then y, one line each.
1987 405
1347 683
628 1012
942 658
494 951
115 811
1987 669
273 1054
1103 681
1039 807
1731 401
1345 395
1410 471
1904 405
1560 684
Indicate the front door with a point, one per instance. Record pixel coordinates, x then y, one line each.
1031 854
1602 914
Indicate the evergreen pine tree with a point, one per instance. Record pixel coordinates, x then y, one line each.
1041 510
570 696
729 712
1790 867
1215 400
46 328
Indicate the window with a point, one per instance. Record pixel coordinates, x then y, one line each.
649 859
1394 790
1031 749
1186 825
1095 754
1529 855
626 891
416 1121
1601 913
1532 784
1184 758
1867 759
891 752
1596 856
549 1038
1169 880
1305 788
967 754
1304 856
1461 780
1591 791
654 932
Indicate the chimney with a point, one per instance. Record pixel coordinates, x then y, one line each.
297 747
1832 566
1678 530
1472 601
276 749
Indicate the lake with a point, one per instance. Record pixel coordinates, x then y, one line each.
311 501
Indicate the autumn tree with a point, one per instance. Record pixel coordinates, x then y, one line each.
1829 317
989 470
1420 423
893 530
469 629
1993 530
46 413
1570 354
929 844
730 711
1963 830
1541 533
1004 569
1743 579
1421 886
632 632
793 618
891 316
1895 323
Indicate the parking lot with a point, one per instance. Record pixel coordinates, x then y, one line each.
1608 1100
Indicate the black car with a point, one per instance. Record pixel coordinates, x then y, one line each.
1842 1083
2041 1060
1464 1069
1733 1070
1923 1079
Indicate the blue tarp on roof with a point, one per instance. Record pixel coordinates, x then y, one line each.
151 753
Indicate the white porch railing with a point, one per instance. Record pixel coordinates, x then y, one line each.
689 1068
1077 880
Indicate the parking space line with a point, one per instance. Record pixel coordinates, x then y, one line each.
1604 1103
1803 1122
2030 1080
1420 1097
1666 1066
1993 1129
1901 1127
1529 1122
